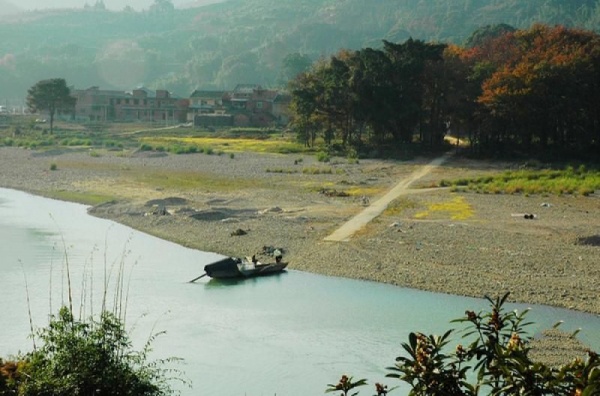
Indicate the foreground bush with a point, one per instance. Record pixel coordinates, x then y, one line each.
495 361
93 357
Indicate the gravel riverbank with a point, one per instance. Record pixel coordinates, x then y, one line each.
431 239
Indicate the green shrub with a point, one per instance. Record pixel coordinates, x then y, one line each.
322 156
176 149
90 357
145 147
496 349
53 166
112 144
352 156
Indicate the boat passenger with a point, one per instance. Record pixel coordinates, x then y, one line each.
277 254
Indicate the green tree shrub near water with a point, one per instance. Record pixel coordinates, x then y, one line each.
85 357
89 356
496 351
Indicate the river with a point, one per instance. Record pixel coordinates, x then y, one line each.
290 334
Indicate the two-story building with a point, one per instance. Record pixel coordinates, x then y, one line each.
141 104
207 109
253 106
94 104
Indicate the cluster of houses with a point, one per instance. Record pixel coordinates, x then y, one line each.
246 106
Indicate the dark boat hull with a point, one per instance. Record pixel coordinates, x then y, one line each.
223 269
232 267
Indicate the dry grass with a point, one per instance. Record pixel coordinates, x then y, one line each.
455 209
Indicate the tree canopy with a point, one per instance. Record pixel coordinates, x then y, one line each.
51 95
530 91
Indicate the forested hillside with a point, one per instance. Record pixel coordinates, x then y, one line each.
240 41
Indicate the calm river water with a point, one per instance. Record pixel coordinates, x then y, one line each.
290 334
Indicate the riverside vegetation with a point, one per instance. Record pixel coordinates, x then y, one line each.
496 349
73 355
500 351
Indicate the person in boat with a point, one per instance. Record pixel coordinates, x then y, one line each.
278 255
254 260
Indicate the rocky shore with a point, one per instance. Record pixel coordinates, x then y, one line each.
432 239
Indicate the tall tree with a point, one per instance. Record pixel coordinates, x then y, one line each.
307 91
544 95
409 61
51 95
369 82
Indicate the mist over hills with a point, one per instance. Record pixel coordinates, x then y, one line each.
217 46
10 7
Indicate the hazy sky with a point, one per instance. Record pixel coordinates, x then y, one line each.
111 4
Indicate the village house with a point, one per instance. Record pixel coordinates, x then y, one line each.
207 109
206 102
246 106
254 106
141 104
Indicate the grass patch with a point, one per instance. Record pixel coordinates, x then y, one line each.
281 170
193 180
399 205
578 181
151 138
358 191
86 198
215 144
457 209
313 170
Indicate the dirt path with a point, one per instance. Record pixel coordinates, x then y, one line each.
347 230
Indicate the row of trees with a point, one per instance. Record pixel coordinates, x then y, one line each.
531 91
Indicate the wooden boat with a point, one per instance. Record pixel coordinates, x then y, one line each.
234 267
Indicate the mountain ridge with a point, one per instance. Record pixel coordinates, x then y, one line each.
217 45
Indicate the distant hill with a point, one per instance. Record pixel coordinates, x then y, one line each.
196 3
8 8
219 45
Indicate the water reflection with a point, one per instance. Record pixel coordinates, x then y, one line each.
214 283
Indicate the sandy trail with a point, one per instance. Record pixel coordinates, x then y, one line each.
347 230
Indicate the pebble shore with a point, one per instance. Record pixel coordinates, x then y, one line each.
433 239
